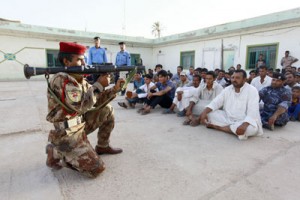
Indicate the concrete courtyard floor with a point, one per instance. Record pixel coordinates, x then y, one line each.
162 159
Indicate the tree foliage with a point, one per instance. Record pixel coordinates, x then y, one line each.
156 29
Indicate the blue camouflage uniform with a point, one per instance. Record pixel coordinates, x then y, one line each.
272 98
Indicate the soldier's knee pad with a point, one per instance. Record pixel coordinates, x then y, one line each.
94 173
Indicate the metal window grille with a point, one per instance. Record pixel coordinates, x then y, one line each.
187 59
52 60
269 55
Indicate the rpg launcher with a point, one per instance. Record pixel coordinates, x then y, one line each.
88 69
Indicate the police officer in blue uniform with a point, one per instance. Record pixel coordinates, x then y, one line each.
97 55
122 59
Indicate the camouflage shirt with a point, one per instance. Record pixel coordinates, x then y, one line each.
77 94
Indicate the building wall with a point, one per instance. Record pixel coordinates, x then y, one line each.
288 39
208 53
27 51
145 53
32 51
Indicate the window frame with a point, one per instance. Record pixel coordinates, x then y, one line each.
276 44
181 58
134 55
54 55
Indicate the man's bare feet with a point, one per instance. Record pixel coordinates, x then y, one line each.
195 122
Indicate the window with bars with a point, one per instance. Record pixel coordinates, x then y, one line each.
269 52
52 60
136 59
187 59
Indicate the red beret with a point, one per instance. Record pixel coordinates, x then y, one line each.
71 47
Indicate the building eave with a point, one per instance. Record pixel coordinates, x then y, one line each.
266 22
273 21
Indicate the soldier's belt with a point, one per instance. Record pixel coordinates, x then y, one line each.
69 123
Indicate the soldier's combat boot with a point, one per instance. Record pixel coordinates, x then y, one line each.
107 150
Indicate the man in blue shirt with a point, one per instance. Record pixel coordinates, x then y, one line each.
122 59
97 55
123 56
176 77
138 80
164 97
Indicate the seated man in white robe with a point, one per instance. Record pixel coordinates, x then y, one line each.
182 97
240 113
204 94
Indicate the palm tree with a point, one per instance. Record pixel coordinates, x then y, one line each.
156 29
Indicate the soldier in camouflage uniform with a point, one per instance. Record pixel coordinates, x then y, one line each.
71 105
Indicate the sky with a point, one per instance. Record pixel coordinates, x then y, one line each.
136 17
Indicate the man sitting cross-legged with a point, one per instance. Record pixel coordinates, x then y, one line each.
240 113
139 95
183 81
182 98
202 97
276 100
294 109
163 97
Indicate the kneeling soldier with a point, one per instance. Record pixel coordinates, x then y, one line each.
76 109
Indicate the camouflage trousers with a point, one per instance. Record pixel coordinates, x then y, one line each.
73 148
104 120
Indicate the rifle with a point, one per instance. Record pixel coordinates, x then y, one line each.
88 69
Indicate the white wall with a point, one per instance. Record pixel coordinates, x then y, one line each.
208 53
34 54
288 39
112 50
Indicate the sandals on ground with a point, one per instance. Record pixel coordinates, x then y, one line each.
187 122
122 104
140 110
194 122
145 112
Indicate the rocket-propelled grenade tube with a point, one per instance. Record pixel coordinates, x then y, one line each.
88 69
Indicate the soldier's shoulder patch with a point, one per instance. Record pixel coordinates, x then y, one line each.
73 93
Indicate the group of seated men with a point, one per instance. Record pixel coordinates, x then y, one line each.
233 104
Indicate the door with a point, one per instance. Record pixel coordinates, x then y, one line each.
187 59
135 59
228 59
209 59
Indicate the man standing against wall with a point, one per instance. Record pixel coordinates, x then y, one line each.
122 59
287 60
97 55
260 62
